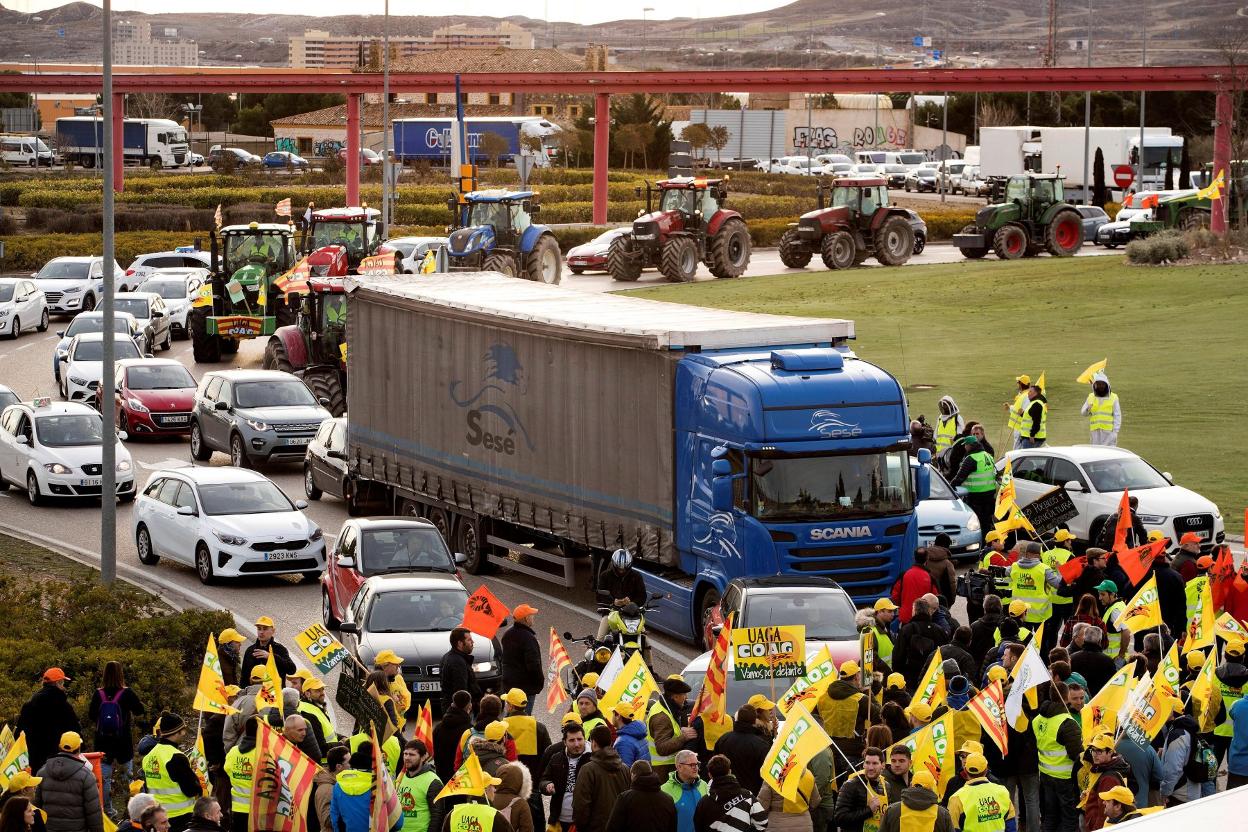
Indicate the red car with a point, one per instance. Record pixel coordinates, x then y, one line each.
154 397
592 256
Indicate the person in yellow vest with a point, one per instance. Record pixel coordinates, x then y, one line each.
977 477
418 786
949 423
532 739
391 750
477 815
863 798
1034 428
882 615
1055 557
240 766
919 808
783 814
391 664
664 733
1104 412
1119 805
981 806
1117 643
766 710
1059 749
1016 408
845 711
313 707
1034 584
1231 677
170 778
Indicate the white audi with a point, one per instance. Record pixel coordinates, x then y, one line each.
227 523
82 366
55 449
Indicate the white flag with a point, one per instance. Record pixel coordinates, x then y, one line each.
610 671
1030 673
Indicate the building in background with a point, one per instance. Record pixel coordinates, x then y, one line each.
133 44
318 49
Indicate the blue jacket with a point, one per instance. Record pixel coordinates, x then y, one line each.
350 802
1237 756
686 797
1145 765
630 742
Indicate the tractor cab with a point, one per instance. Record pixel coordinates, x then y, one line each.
323 320
1034 193
487 219
337 239
684 203
250 253
851 201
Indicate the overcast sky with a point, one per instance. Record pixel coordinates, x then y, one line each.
576 11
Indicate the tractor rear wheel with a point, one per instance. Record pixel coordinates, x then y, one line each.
971 253
623 260
1010 242
839 250
326 383
1064 236
793 253
730 249
1193 218
228 346
502 263
680 260
894 242
543 264
205 348
275 357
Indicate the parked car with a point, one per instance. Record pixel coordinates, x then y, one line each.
325 469
867 169
945 512
25 151
379 546
184 257
284 159
896 175
592 256
969 182
1095 476
254 416
76 284
1117 233
154 397
826 159
796 166
226 523
950 170
123 324
22 307
178 288
838 169
196 160
7 397
920 230
412 250
82 366
920 180
368 158
218 158
149 310
1094 217
55 449
414 616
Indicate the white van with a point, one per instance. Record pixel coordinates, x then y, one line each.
878 157
27 151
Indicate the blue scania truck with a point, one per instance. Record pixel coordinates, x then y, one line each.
538 426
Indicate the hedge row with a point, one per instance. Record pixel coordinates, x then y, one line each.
28 253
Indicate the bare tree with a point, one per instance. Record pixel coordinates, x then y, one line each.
151 105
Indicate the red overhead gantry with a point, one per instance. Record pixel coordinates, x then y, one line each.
1220 80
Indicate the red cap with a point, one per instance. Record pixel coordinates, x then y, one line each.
55 674
1204 562
1190 537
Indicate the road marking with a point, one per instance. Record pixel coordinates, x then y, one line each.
25 346
167 464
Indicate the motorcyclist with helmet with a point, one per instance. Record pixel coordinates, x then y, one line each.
627 590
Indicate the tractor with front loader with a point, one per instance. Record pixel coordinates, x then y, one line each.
493 231
1034 217
855 222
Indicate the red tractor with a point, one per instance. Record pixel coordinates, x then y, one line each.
314 348
690 225
337 239
855 223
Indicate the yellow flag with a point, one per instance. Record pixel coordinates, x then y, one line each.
270 694
1214 190
1144 610
468 780
934 751
262 294
931 689
1150 709
800 739
1100 714
18 759
1086 376
1228 628
1006 495
634 683
203 297
429 264
210 692
1169 676
1204 688
6 740
1040 381
1015 520
820 674
1202 628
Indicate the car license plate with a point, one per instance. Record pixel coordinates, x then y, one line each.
177 420
92 481
281 555
299 440
427 687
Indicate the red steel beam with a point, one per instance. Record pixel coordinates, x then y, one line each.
1224 119
353 149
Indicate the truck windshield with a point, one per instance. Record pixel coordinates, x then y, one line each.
817 488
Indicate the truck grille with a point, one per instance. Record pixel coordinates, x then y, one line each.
276 545
864 569
53 297
179 158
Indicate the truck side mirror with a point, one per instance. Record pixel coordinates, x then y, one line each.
527 206
452 204
721 485
923 477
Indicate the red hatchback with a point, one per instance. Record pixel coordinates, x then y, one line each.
154 397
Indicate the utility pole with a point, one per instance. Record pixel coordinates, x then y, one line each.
1087 119
108 476
944 146
386 162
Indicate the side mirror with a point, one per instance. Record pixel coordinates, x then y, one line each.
158 314
527 206
122 435
301 504
349 627
22 439
460 558
60 333
186 511
535 210
336 455
721 485
1074 486
346 562
323 401
222 406
452 204
567 634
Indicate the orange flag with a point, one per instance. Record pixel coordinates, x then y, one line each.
1124 522
1222 576
484 613
1136 562
424 726
1072 569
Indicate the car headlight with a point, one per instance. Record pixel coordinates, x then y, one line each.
136 405
257 425
73 290
230 539
56 468
483 667
123 465
1152 519
973 524
317 534
81 382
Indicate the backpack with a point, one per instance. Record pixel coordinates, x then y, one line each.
1202 763
111 720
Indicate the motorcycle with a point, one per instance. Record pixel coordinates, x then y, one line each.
597 654
626 627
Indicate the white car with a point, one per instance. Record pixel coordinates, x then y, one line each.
76 284
82 367
7 397
412 249
227 523
1095 476
178 287
54 449
22 306
183 257
148 309
123 324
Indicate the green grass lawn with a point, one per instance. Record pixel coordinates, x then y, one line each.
1176 338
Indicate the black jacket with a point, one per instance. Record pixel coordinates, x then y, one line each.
180 772
522 660
446 736
728 805
984 635
69 795
1032 419
965 661
121 746
205 825
915 644
600 781
643 807
746 747
1094 666
556 773
281 660
851 804
457 674
629 585
1137 536
44 717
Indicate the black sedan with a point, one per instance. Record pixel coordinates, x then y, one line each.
325 466
920 180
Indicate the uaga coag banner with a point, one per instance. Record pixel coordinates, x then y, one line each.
769 652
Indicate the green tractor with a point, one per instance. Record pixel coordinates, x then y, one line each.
1034 217
241 300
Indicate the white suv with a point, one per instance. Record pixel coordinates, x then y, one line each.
76 284
55 449
183 257
22 306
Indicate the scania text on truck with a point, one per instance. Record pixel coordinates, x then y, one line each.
534 425
153 142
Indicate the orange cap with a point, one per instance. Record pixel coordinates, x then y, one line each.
523 611
1190 537
1204 562
55 674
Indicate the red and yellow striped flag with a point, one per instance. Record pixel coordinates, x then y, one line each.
711 697
282 208
282 783
556 695
385 812
424 726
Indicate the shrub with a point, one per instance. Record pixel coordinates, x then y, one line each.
1165 247
28 253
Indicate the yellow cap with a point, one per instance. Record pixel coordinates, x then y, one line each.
570 716
884 604
1023 379
257 673
516 698
496 730
265 621
302 673
589 680
625 709
313 684
924 778
895 680
1155 535
1062 535
997 673
70 741
232 690
230 636
1019 607
976 763
1102 742
488 780
850 668
993 535
971 747
1194 659
23 780
1121 794
136 786
1234 647
761 703
387 657
920 711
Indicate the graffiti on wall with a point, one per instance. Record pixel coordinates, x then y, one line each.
285 143
827 140
881 136
328 147
816 138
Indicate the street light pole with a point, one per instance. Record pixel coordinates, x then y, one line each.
975 127
108 476
385 123
1143 62
1087 119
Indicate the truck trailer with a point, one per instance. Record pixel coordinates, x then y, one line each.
430 139
535 425
153 142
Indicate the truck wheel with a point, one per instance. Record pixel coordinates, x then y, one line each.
544 264
228 346
707 603
680 260
442 522
205 348
275 357
470 544
502 263
894 242
1010 242
730 249
156 163
325 383
623 260
839 250
793 253
1064 236
972 253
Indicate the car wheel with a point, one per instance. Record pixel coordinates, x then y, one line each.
17 328
168 343
203 565
4 484
32 489
238 454
309 484
43 322
143 542
64 389
200 451
88 303
328 618
123 422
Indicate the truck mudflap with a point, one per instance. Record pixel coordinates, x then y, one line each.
975 240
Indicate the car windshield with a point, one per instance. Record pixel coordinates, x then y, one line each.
7 397
94 350
169 289
160 377
1131 474
70 430
244 498
607 236
6 292
895 168
940 488
417 611
911 158
826 615
813 488
94 323
64 270
135 306
273 394
925 173
404 550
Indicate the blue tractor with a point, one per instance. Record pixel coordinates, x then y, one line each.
493 231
